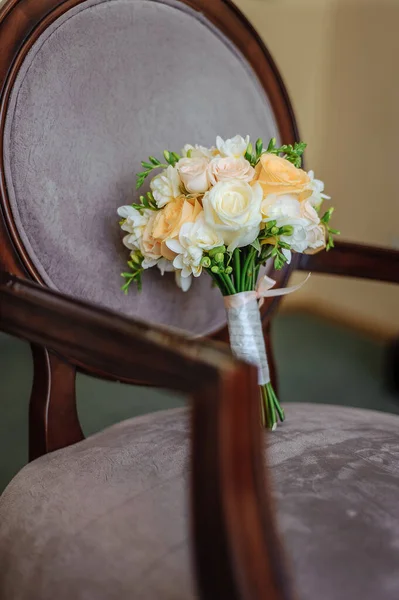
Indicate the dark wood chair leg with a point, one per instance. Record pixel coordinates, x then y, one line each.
53 416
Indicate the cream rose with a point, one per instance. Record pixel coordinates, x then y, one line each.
235 146
228 167
194 174
308 212
232 208
316 238
168 221
165 187
278 176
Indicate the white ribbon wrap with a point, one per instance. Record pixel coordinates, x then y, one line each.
245 325
245 329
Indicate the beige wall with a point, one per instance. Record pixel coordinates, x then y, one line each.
339 62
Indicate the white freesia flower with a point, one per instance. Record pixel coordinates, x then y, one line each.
194 174
317 188
275 207
189 255
287 210
166 186
233 209
223 168
235 146
194 238
165 265
199 151
184 283
134 224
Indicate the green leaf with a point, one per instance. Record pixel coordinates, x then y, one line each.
259 147
284 245
256 244
299 148
327 215
272 145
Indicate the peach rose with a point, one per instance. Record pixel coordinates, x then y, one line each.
278 176
169 220
151 248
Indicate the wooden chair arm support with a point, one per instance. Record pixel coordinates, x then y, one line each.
235 543
354 260
106 340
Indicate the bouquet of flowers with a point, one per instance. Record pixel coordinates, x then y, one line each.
225 211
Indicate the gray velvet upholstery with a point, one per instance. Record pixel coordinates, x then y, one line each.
109 83
107 519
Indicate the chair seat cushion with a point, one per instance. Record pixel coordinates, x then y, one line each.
108 518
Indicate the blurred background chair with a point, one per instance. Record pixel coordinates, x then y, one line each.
86 89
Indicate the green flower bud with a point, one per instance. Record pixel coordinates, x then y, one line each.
219 257
135 258
215 269
215 251
229 270
286 230
206 262
274 230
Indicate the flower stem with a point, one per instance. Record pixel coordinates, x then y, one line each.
251 273
245 270
219 282
270 407
237 270
228 283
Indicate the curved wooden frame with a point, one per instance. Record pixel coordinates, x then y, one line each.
21 24
236 548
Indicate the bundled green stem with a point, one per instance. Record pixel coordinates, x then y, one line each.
235 273
271 410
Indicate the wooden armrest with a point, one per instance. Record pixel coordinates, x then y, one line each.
104 339
235 544
354 260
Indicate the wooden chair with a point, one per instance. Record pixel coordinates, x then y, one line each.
87 90
227 475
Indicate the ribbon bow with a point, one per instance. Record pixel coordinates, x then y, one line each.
263 289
